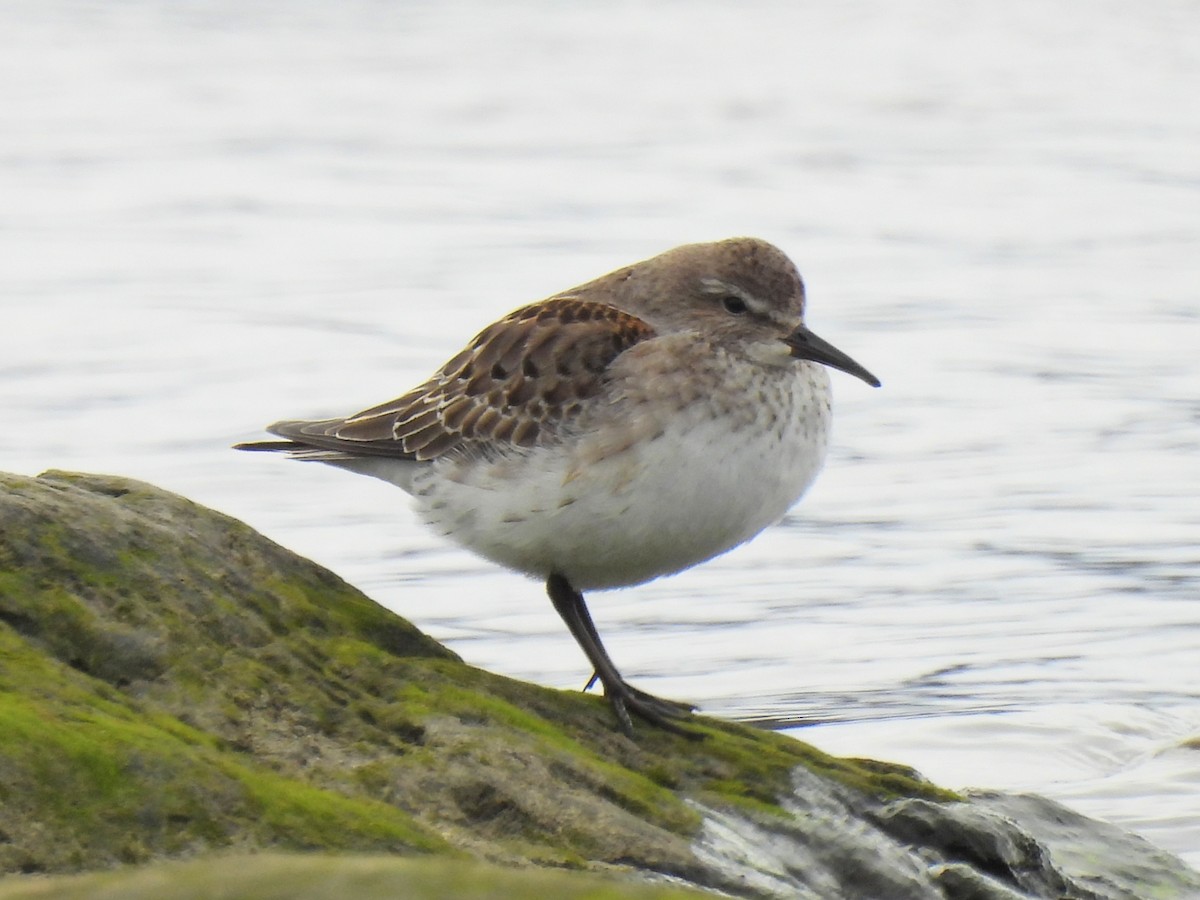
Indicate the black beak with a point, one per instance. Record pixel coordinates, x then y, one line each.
806 345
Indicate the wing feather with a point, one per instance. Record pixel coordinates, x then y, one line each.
517 384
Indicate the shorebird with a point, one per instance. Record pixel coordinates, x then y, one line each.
622 430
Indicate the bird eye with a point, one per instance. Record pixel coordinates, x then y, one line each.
735 306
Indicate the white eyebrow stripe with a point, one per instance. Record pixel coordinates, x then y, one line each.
717 286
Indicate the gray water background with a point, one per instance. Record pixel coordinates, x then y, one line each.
217 214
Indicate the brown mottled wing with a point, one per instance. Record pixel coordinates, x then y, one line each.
514 385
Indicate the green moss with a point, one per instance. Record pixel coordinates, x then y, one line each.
435 688
98 770
315 819
276 877
756 764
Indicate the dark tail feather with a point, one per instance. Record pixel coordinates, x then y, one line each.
268 446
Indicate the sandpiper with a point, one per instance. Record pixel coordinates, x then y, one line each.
625 429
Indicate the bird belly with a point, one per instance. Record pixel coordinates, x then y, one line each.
619 511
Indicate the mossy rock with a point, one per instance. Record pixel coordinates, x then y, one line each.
283 877
172 683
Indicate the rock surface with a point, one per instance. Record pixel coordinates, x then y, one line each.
275 876
174 685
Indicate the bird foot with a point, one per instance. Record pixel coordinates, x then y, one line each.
677 708
628 701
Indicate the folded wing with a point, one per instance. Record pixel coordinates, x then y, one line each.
517 384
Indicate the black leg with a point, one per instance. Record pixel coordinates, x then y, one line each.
624 699
585 615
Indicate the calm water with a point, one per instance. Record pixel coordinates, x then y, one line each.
214 216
